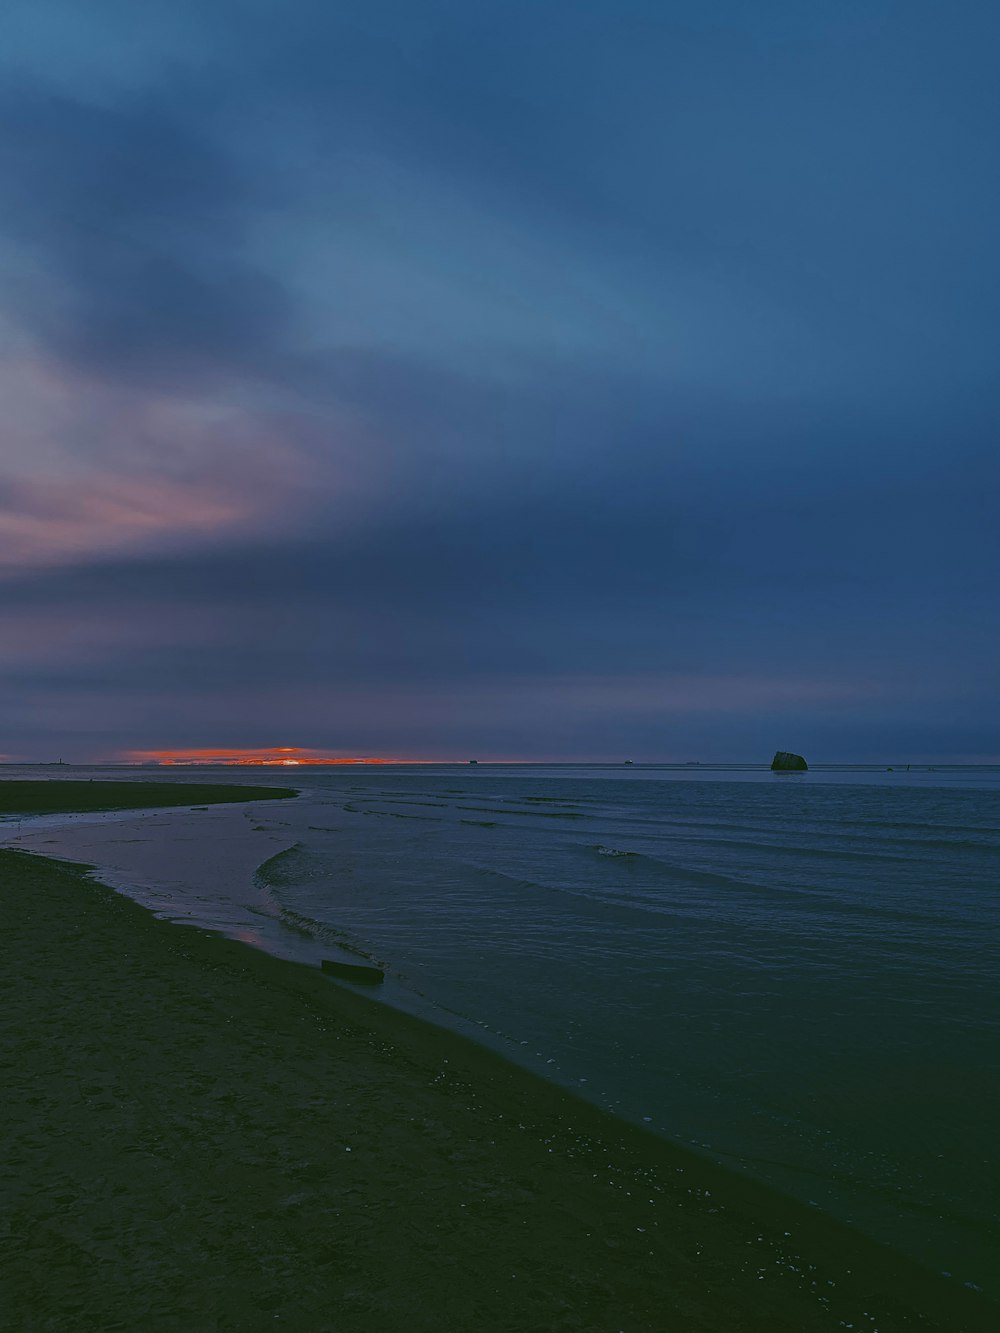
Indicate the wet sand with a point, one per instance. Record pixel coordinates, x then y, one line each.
198 1136
195 866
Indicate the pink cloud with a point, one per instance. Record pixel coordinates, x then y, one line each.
52 521
88 470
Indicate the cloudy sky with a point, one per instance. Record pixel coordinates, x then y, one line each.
517 378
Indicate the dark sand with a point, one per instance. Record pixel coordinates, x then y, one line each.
197 1136
43 796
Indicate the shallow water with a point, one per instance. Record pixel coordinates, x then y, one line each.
791 973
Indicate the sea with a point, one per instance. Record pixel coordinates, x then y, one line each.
793 974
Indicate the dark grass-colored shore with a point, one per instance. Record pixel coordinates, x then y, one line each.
48 796
198 1136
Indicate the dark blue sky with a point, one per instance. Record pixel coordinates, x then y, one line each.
515 379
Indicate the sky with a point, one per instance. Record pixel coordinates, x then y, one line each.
531 379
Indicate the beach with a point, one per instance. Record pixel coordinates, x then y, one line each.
36 796
792 976
200 1136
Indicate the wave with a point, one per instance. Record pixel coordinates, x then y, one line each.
285 870
325 933
398 800
548 800
528 814
398 814
273 872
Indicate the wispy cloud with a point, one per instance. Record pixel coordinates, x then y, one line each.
54 521
88 469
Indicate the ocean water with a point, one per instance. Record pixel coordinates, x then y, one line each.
793 974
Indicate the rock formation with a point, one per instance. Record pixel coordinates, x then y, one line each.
784 761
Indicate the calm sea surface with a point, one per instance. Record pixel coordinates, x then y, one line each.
794 974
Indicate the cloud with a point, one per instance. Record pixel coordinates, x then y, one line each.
47 523
131 225
468 374
91 468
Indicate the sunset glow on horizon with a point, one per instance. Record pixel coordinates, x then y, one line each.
278 756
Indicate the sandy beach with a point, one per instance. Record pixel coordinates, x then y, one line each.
198 1136
41 795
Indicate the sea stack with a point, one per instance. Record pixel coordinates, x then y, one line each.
786 762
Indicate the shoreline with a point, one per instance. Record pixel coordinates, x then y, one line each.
38 796
617 1228
194 865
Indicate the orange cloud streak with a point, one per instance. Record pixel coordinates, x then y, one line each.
286 755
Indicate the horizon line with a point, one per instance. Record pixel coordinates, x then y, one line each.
378 761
